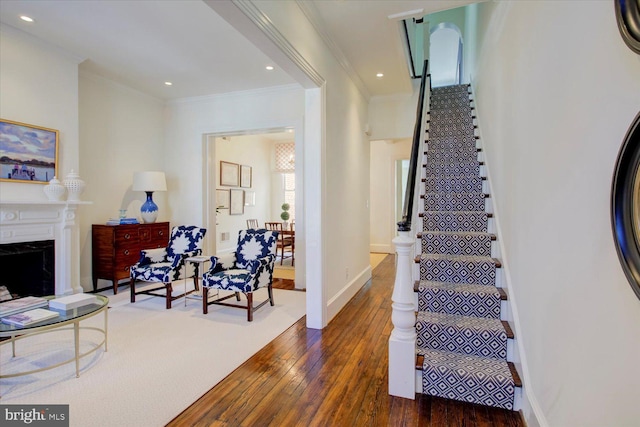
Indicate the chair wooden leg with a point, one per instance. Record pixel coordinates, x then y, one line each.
169 292
281 254
205 295
132 289
270 289
237 296
250 306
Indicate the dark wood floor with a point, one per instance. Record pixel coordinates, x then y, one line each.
333 377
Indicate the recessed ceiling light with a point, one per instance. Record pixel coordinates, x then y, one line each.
269 68
26 18
168 83
379 75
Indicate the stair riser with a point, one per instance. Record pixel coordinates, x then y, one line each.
455 221
458 304
454 184
449 158
454 202
453 271
434 243
442 169
474 342
517 401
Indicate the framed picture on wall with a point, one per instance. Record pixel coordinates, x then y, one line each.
245 176
222 199
29 153
237 202
249 198
229 174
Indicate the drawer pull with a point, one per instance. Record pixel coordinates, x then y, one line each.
126 251
127 268
161 232
127 236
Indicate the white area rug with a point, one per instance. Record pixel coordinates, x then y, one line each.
158 361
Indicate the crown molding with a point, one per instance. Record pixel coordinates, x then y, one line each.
262 21
312 14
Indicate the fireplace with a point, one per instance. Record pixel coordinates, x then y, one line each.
29 268
49 227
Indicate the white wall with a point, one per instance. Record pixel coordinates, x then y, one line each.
556 91
384 155
345 224
394 116
121 131
39 86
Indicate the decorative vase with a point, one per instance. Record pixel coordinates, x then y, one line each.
54 190
149 210
74 185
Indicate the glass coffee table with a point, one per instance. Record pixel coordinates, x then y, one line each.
67 320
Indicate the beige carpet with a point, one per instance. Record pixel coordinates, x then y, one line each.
158 361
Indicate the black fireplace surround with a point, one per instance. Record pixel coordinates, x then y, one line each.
28 268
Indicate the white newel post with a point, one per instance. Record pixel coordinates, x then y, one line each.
402 342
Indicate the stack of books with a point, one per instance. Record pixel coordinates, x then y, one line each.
122 221
72 301
30 317
18 305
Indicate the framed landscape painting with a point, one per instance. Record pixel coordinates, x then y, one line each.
28 153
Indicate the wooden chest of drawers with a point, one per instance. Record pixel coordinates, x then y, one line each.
117 247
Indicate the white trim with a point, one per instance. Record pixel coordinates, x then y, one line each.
248 93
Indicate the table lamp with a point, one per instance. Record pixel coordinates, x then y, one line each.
149 181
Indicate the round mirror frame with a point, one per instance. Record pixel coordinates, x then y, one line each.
625 205
628 19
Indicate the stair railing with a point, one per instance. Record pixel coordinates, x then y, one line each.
402 342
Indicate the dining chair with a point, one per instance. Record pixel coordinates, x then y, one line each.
285 240
253 223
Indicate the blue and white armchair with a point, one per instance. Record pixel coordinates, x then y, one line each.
164 265
244 271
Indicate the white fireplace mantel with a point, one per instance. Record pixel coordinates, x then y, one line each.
28 221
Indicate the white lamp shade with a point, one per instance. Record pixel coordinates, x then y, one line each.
149 181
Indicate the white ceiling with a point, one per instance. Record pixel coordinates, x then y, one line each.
142 44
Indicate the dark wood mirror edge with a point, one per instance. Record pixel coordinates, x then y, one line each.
625 228
628 18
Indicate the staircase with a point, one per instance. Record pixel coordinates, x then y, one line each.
462 343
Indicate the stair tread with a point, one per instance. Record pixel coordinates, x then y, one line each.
460 321
471 258
459 287
456 233
488 214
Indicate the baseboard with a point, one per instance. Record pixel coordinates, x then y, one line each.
382 248
335 304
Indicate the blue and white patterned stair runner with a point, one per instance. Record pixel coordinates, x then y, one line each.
460 334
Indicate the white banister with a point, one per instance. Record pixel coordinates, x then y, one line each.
402 342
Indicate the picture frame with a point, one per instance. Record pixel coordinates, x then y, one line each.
229 174
222 199
245 176
249 198
236 206
29 152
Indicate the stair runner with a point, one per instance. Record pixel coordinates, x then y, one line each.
460 334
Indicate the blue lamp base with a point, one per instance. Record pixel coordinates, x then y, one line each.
149 210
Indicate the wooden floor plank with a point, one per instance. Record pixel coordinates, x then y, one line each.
336 376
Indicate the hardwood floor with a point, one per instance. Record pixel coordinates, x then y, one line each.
333 377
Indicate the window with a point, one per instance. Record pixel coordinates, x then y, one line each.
289 186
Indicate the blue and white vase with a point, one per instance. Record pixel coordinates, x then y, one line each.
149 210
